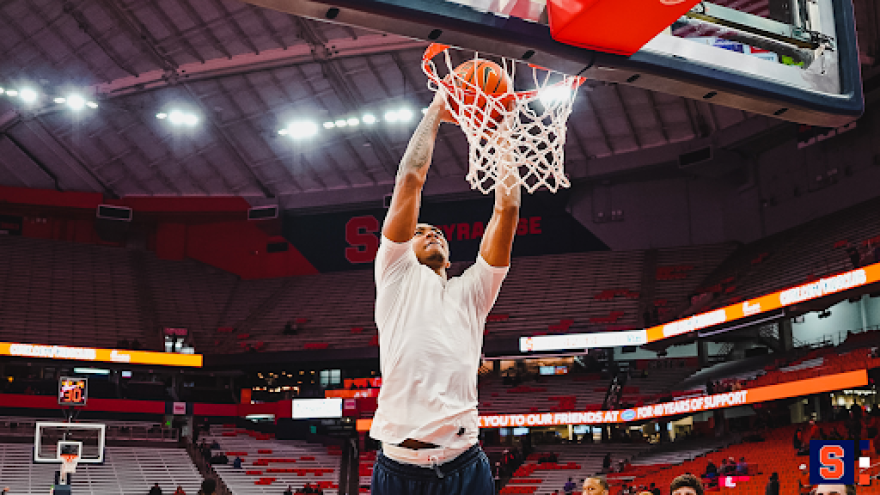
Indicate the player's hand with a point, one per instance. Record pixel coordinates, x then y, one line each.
439 104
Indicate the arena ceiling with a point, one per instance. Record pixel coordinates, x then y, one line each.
246 73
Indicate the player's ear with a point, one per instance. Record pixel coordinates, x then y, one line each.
448 265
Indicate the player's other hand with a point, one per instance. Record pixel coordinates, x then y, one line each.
439 104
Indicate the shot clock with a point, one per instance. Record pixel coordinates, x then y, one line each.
73 392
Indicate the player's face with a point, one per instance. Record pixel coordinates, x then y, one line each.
430 246
593 487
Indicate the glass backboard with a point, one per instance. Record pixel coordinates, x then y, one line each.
793 59
51 439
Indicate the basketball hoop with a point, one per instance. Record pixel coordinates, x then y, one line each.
68 465
530 133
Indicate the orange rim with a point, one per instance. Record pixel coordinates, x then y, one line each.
436 49
68 457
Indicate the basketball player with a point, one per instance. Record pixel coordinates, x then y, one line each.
431 335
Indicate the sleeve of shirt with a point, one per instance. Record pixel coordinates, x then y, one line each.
393 260
482 285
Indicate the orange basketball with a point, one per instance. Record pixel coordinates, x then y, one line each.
486 75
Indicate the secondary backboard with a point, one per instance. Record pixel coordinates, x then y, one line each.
793 59
53 439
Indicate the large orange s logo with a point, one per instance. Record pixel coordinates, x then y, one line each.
831 466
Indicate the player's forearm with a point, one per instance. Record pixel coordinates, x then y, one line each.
417 159
508 194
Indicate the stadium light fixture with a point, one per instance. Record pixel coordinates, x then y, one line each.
91 104
76 102
2 90
60 100
161 115
28 95
329 125
302 129
12 92
404 115
353 121
341 123
190 119
391 116
175 117
369 119
554 94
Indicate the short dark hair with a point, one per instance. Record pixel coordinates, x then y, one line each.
687 480
209 486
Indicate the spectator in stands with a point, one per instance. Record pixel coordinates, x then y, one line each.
289 491
686 484
308 488
796 439
772 485
711 470
804 486
179 491
653 489
209 487
606 463
290 328
215 445
569 487
742 467
595 486
155 490
236 464
855 257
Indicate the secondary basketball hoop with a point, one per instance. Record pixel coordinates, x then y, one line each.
69 454
526 129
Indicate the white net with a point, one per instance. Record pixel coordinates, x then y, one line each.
526 129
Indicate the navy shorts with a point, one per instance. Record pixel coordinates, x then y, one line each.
467 474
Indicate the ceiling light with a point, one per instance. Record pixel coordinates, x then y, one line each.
391 116
91 104
60 100
329 125
161 115
28 95
175 117
554 94
353 121
404 114
12 92
369 119
341 123
190 119
282 132
302 129
76 102
1 91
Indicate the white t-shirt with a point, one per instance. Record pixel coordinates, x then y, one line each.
430 338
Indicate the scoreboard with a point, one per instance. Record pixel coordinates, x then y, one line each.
73 391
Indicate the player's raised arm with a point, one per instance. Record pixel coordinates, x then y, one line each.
498 239
400 223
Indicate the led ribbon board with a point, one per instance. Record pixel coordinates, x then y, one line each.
794 295
99 355
806 292
691 405
582 341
